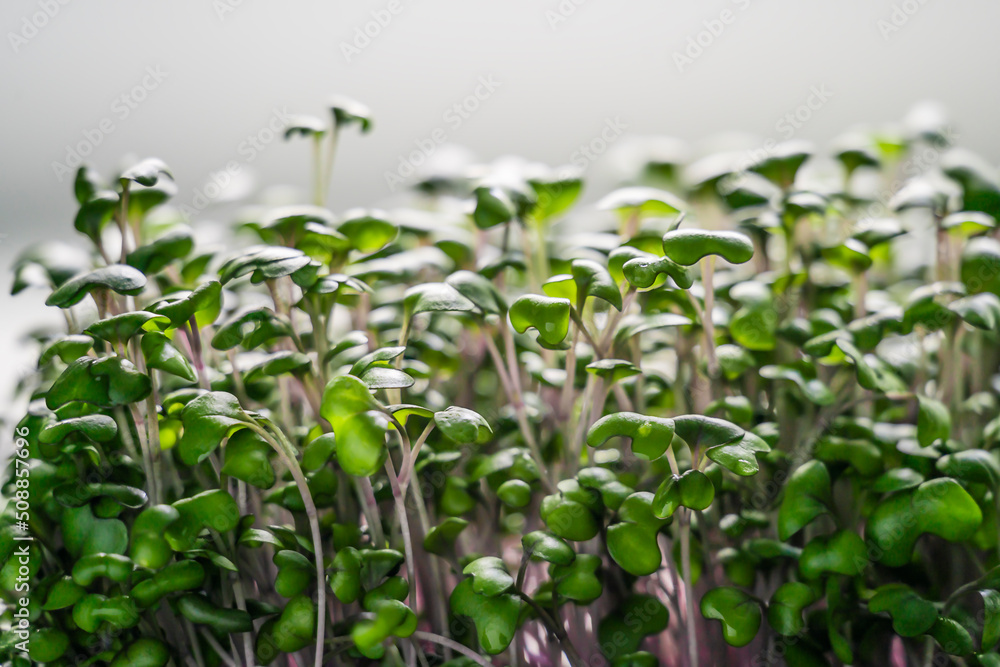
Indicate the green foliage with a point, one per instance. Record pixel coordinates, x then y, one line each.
343 446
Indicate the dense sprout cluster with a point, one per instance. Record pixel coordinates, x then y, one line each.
751 401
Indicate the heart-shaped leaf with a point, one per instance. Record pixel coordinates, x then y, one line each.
650 435
549 316
463 426
940 506
784 612
495 618
911 614
689 246
807 496
117 277
738 612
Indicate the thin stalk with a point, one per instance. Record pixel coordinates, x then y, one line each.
685 530
195 646
318 169
566 401
399 501
517 400
370 508
286 453
556 629
123 220
692 632
407 471
707 278
453 645
221 652
331 151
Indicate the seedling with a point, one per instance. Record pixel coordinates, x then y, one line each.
398 439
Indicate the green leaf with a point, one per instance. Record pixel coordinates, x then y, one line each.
980 310
250 327
940 506
813 389
637 617
463 426
121 328
689 246
368 233
489 576
807 496
952 636
163 356
207 420
784 613
205 301
549 316
642 272
991 618
976 466
739 457
911 614
295 572
851 255
95 213
213 509
632 542
345 580
493 207
495 618
75 494
479 290
153 257
844 552
739 613
347 112
117 277
642 201
67 348
83 533
568 519
579 581
304 126
650 435
554 195
99 428
613 370
514 493
933 421
754 325
593 280
318 452
147 172
435 298
248 458
546 547
701 431
692 489
440 539
263 263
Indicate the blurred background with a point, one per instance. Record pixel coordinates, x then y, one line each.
203 85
